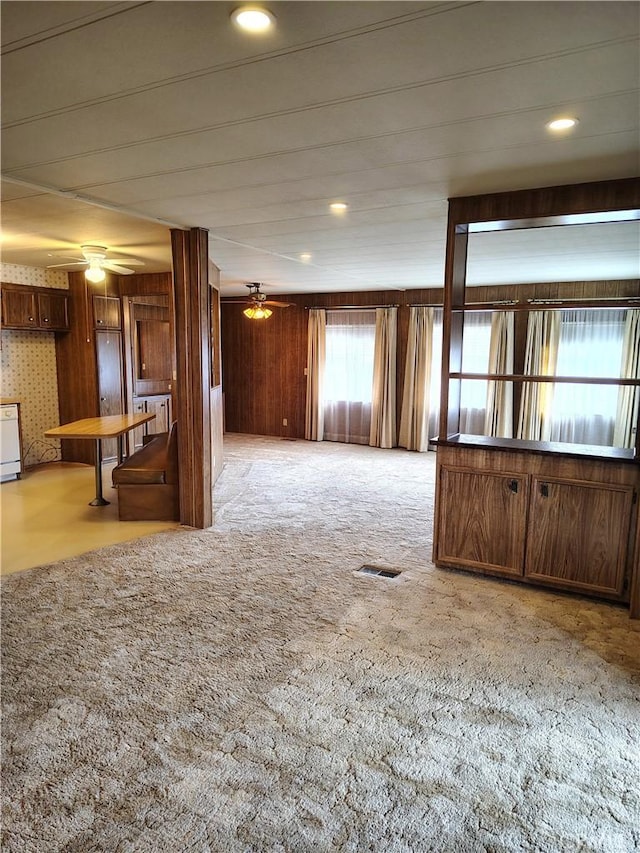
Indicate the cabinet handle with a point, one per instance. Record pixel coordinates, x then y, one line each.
45 319
162 405
31 319
100 322
513 485
544 490
102 399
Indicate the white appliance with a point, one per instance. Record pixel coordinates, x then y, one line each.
10 463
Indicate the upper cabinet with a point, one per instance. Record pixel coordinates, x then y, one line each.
106 312
39 308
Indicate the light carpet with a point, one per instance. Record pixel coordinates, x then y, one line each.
244 689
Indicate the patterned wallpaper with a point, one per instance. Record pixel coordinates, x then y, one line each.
34 276
28 370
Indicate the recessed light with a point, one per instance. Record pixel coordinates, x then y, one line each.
338 206
565 123
305 257
253 19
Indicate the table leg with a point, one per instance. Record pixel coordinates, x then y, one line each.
120 449
98 500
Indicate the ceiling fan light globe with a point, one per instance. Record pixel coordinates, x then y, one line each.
95 274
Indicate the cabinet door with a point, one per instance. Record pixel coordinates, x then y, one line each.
53 311
578 534
106 312
109 364
161 408
136 436
19 309
482 519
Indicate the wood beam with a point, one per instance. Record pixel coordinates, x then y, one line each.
193 380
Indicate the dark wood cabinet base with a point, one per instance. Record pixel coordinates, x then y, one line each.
560 522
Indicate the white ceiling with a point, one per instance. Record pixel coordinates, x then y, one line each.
162 113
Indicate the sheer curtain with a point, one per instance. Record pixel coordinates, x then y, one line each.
316 345
590 344
628 397
476 340
383 411
499 414
414 418
436 374
348 375
541 356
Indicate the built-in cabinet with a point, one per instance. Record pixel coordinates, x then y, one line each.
117 357
158 405
529 516
108 349
38 308
90 362
106 312
491 534
552 514
149 356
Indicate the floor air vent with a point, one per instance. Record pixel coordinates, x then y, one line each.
376 570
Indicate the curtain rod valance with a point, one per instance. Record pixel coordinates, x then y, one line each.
347 307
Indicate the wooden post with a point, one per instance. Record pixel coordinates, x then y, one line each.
193 380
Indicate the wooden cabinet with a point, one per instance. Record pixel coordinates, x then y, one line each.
564 523
42 309
110 390
89 364
19 309
106 312
160 406
551 513
593 561
490 533
53 311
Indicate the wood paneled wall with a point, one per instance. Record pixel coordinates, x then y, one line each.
264 361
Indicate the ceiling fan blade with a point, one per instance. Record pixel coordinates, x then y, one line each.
237 301
130 262
276 304
109 265
68 264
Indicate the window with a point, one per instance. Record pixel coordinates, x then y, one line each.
590 344
436 378
475 359
348 375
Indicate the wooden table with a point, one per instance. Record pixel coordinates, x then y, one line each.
108 426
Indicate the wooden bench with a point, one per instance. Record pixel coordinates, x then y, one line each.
147 481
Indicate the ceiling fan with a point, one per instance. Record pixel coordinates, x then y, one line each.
259 306
94 258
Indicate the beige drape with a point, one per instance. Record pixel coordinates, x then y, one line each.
383 409
498 419
628 396
316 347
541 357
414 418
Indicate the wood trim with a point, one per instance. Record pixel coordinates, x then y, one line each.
623 194
555 304
531 377
634 602
193 391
